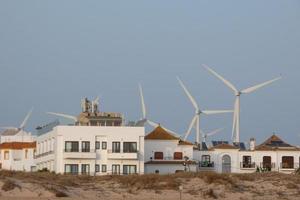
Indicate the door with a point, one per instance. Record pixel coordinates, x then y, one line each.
226 164
267 162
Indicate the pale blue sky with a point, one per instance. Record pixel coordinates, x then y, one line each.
53 53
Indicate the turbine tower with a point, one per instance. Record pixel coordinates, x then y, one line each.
144 118
238 93
196 119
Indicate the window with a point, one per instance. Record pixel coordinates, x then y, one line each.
205 158
97 168
116 147
85 169
72 146
116 169
71 169
129 169
158 155
26 153
177 155
129 147
6 155
85 146
287 162
104 145
97 145
103 168
247 162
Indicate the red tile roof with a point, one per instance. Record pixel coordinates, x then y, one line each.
18 145
275 143
160 134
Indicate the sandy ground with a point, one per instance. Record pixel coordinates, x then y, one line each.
265 187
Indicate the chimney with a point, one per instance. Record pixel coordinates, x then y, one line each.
252 144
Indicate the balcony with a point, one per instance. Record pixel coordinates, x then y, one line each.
111 155
246 165
267 166
206 164
79 154
289 166
43 154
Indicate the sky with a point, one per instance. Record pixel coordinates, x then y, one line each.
54 53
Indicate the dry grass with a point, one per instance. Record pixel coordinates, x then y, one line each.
9 185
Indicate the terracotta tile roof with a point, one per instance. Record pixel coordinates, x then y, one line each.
224 146
18 145
171 162
275 143
182 142
160 134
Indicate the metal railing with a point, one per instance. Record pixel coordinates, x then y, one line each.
206 164
121 151
289 165
79 150
43 154
247 165
268 165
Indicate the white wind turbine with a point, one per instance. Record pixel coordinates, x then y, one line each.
214 132
196 119
71 117
144 118
23 124
238 93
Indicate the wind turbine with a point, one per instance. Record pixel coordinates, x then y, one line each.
206 135
22 125
238 93
144 118
196 119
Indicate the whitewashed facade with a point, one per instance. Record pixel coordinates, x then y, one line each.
167 154
93 150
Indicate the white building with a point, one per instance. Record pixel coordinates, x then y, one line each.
272 155
167 154
17 156
93 150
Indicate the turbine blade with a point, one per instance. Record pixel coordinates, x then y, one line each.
153 124
141 123
26 119
64 116
212 112
215 132
230 85
142 101
256 87
188 94
190 127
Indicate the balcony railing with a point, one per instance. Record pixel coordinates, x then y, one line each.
267 165
121 151
206 164
246 165
79 150
123 155
43 154
289 165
